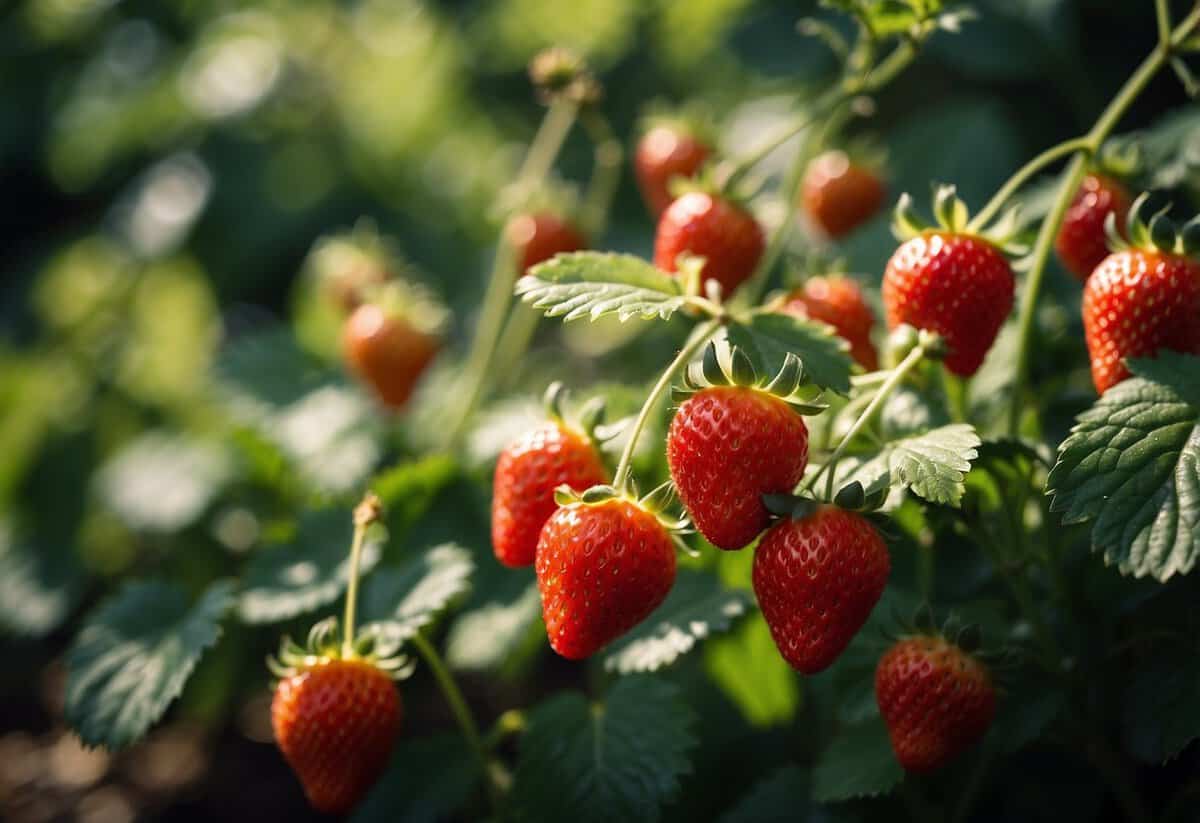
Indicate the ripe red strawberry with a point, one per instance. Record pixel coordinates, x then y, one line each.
539 236
840 195
711 227
958 285
527 473
839 302
1136 302
664 152
336 722
602 568
936 700
726 448
1081 243
817 579
389 350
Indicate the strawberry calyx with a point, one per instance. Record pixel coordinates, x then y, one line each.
411 302
952 216
587 420
725 364
374 645
1150 229
952 630
658 503
561 74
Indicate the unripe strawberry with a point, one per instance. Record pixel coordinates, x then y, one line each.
840 195
709 226
602 568
539 236
1082 243
817 578
936 700
336 722
664 152
839 302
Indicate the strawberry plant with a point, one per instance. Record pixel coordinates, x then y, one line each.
801 527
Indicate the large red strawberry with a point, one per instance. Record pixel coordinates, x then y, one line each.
336 722
1137 301
527 473
541 235
839 194
602 568
1081 243
390 341
839 302
817 579
665 151
936 700
709 226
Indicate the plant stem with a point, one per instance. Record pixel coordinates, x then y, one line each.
365 513
547 142
458 706
700 336
897 376
1066 192
606 174
1019 179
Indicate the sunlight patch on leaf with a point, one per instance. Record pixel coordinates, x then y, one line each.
933 464
595 284
405 599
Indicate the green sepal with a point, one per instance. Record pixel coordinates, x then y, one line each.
905 223
553 398
1115 241
725 364
324 643
597 494
952 216
586 418
790 505
1163 232
742 370
659 499
949 209
1189 237
852 496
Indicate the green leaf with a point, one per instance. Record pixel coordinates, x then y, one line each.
594 284
162 482
133 657
1132 465
408 490
619 760
428 779
38 586
768 338
1161 714
747 667
697 606
933 464
307 572
405 599
858 763
781 797
487 637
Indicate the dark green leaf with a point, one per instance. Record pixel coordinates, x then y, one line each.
409 489
781 797
306 573
697 606
594 284
858 763
38 585
1162 706
133 657
748 668
1132 465
488 636
619 760
769 337
405 599
429 779
933 464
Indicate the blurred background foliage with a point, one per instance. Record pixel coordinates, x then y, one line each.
167 166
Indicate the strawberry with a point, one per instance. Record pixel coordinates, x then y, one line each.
350 266
336 722
711 227
839 302
665 151
1081 243
527 473
541 235
817 578
936 700
390 341
840 195
602 568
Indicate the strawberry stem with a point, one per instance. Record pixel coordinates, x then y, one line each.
985 215
365 513
1069 183
700 336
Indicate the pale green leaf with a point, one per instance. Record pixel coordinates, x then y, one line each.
488 636
594 284
38 585
405 599
595 763
133 657
747 667
933 464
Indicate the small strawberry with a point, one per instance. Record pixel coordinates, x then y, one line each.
1143 297
951 282
936 700
335 718
840 195
730 443
390 341
709 226
541 235
839 302
350 266
604 563
1081 243
527 473
665 151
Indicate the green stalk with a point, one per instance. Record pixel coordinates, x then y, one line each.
1070 181
606 174
984 216
700 336
365 513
